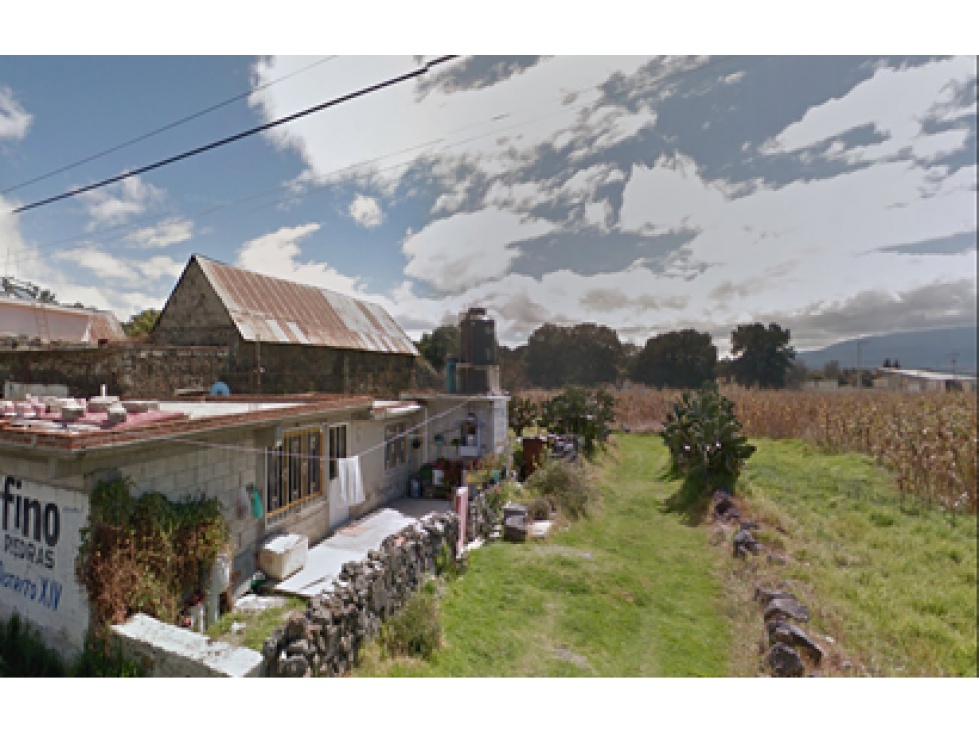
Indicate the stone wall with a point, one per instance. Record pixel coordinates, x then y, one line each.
326 640
138 370
296 368
131 370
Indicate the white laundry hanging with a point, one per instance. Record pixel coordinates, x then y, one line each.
351 484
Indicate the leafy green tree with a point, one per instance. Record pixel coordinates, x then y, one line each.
442 343
680 359
523 414
762 356
583 413
583 354
142 323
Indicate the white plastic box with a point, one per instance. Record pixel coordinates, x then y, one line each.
283 556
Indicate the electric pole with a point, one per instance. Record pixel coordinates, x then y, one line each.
954 356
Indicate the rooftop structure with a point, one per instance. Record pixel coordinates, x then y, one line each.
49 322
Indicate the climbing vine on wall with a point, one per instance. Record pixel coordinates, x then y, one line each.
144 554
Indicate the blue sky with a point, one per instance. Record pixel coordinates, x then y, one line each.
836 195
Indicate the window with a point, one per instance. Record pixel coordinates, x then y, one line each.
395 445
294 470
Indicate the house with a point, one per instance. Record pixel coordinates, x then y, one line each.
271 461
924 381
286 337
31 321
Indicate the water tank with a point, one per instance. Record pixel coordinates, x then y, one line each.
478 336
450 375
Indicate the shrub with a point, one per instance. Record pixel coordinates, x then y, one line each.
564 483
140 554
414 631
102 660
23 654
583 413
705 440
538 509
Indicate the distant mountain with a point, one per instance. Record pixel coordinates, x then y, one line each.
929 350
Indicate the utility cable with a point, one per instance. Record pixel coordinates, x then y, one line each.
170 126
322 179
233 138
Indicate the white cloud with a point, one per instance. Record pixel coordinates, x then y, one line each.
894 101
116 203
160 266
14 119
276 254
466 249
169 232
350 133
101 263
366 211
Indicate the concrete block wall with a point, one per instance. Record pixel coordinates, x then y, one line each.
166 651
216 472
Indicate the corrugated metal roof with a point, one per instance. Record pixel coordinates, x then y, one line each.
50 322
278 311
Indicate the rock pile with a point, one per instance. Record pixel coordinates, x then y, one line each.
786 647
327 638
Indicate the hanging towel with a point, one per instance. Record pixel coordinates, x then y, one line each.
351 484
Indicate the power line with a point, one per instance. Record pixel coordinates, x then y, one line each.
233 138
170 126
323 180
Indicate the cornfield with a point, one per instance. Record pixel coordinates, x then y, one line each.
928 440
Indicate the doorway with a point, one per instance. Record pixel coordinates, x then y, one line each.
337 446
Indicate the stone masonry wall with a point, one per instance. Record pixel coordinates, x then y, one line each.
327 639
130 370
297 368
138 370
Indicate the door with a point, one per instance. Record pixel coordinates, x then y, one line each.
337 446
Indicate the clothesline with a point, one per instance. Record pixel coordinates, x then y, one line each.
246 449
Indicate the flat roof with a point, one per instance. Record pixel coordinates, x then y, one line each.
177 417
928 375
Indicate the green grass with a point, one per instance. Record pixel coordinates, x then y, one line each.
628 591
258 625
893 582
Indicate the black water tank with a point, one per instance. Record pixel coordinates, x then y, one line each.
479 338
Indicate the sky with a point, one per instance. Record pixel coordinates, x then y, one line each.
835 195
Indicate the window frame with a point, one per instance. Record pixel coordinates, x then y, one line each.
395 448
293 481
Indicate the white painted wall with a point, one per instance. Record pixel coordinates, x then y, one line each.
46 593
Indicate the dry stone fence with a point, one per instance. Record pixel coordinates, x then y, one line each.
326 640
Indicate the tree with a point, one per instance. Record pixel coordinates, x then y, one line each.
762 356
797 375
583 354
46 296
887 362
681 359
513 370
142 323
831 370
443 342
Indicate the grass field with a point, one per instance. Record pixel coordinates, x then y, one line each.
628 591
634 590
891 580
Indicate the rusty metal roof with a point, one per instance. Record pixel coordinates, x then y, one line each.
274 310
54 322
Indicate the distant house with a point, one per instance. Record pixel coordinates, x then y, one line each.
287 337
24 319
923 381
